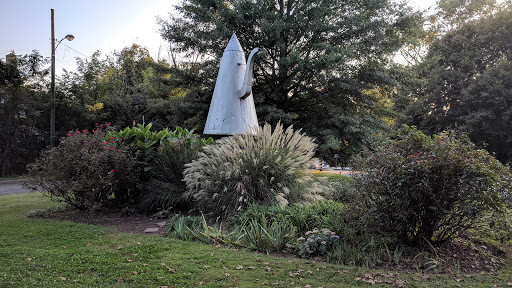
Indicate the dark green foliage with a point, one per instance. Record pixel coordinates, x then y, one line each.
303 218
318 65
429 188
162 155
465 83
22 101
86 172
166 188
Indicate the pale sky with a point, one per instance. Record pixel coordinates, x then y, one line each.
104 25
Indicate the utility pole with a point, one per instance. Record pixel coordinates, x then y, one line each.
52 89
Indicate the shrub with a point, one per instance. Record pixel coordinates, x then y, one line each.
86 171
244 169
147 143
316 242
430 188
162 156
165 187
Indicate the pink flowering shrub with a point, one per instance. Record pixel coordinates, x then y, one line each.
420 188
87 170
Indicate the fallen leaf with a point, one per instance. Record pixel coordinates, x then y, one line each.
457 279
268 268
225 268
135 272
344 271
240 267
358 279
120 280
163 287
29 259
307 286
63 278
163 264
251 268
206 266
220 261
12 283
138 243
88 245
310 272
64 246
509 283
119 247
212 254
227 274
425 277
135 255
200 283
274 284
76 280
171 270
130 260
144 264
235 279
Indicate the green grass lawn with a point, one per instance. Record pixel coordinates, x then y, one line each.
49 253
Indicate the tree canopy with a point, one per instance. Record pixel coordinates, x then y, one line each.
465 83
320 66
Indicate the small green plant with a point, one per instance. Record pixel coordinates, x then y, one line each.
245 169
179 226
263 235
321 214
163 213
316 242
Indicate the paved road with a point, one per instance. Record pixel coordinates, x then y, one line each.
11 187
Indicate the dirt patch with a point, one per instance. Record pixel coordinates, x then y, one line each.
116 219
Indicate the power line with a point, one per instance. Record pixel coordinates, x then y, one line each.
78 52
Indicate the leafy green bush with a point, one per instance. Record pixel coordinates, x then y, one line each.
86 171
162 156
244 169
430 188
147 142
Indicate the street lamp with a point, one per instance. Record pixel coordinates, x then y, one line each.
69 37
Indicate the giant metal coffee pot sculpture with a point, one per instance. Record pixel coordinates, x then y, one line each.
232 109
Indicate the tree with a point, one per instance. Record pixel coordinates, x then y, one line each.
21 105
456 81
318 60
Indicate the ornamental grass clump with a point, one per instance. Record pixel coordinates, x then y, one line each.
244 169
419 188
